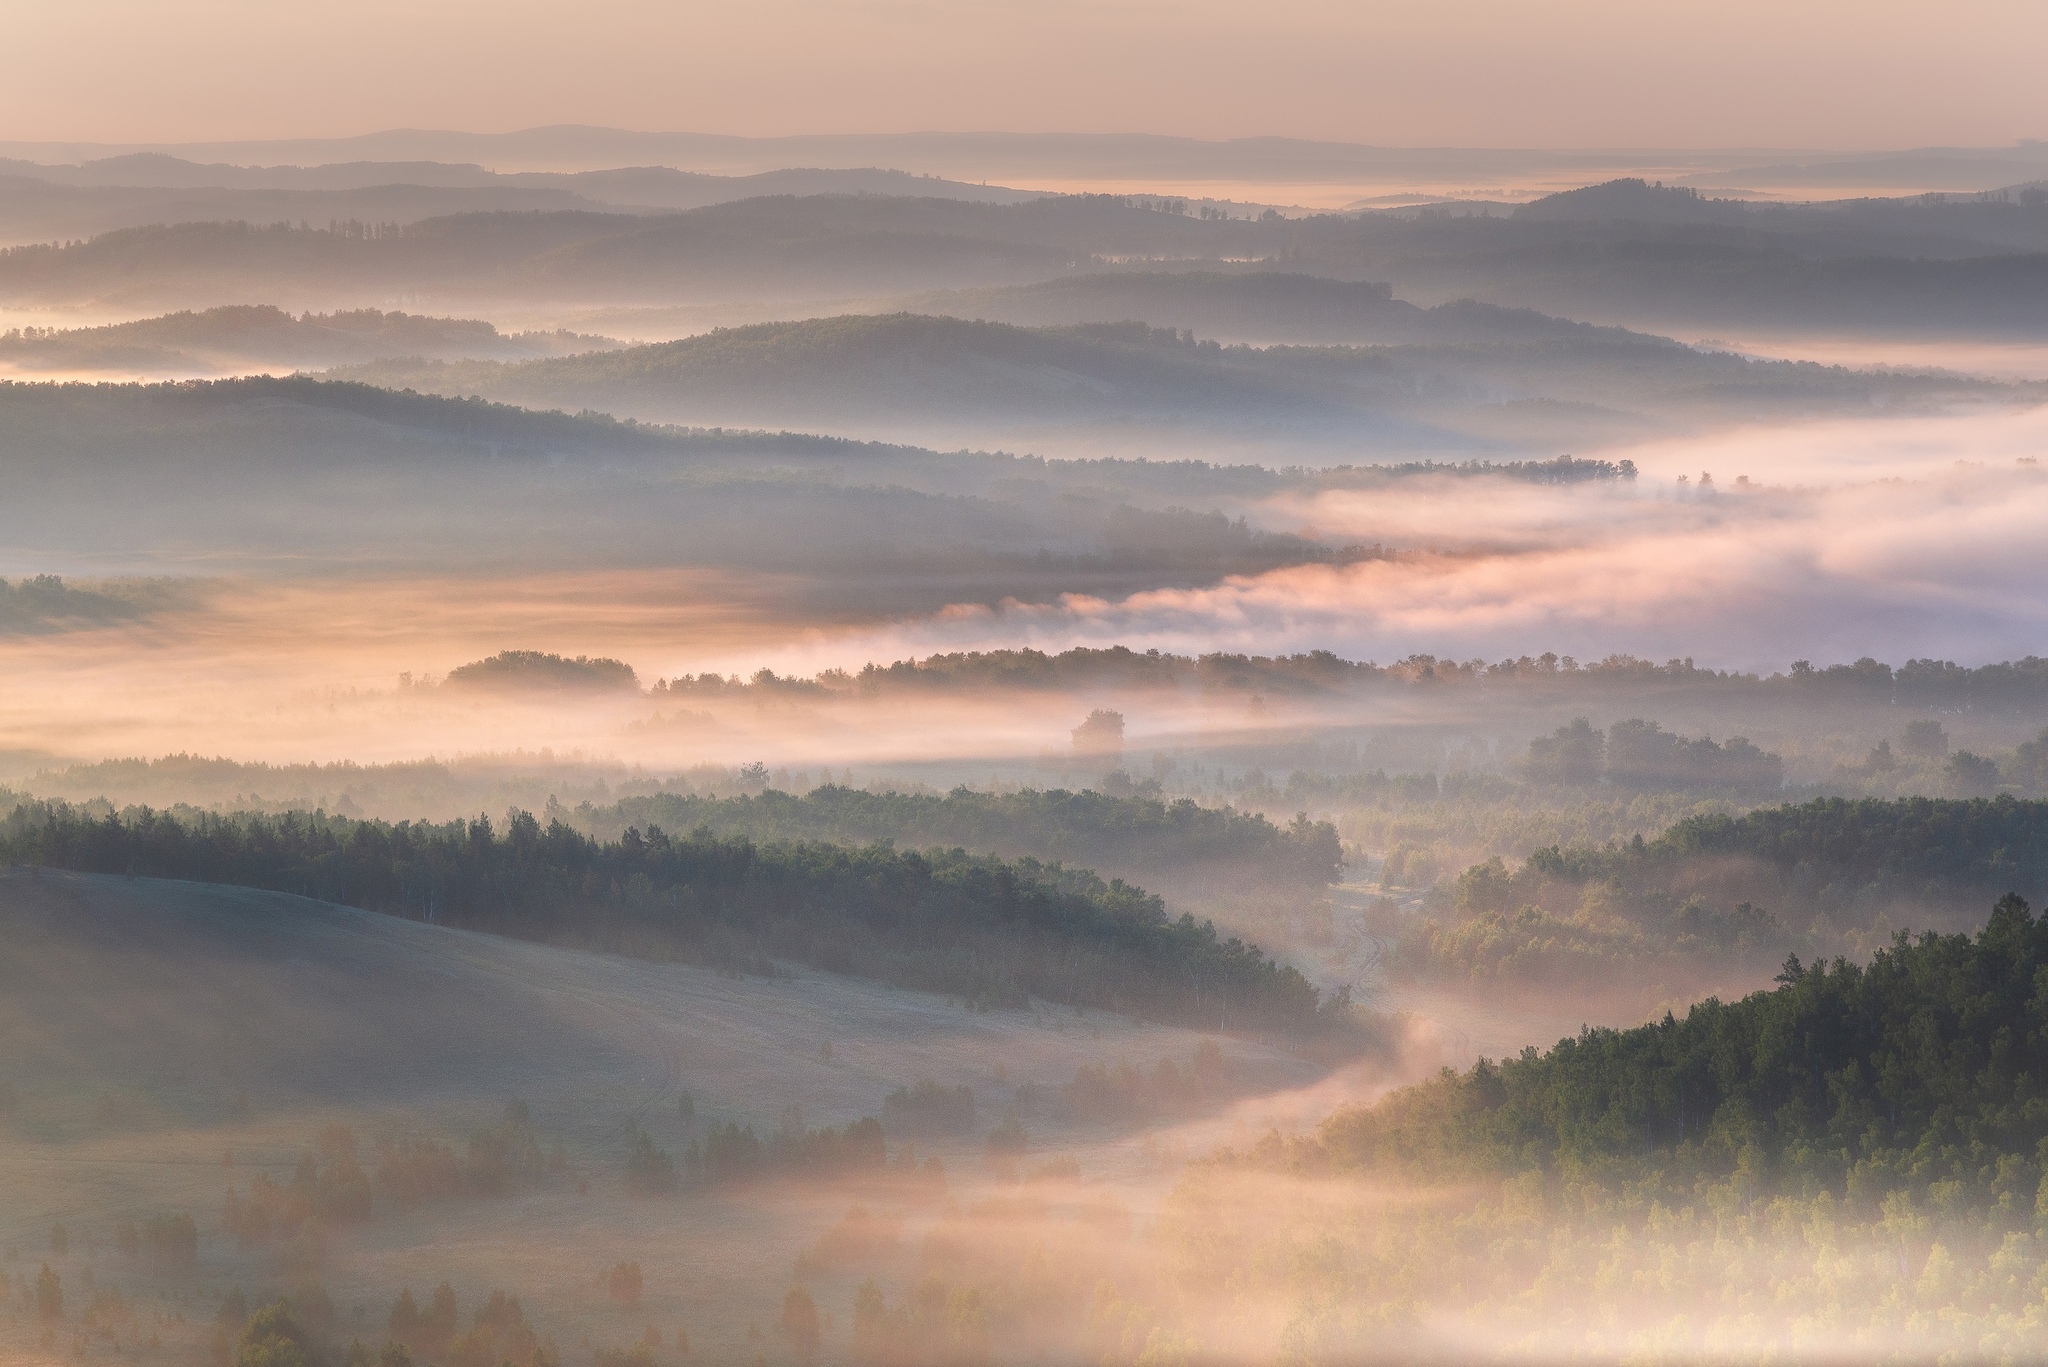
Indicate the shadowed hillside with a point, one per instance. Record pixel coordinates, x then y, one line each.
179 997
990 931
937 379
309 469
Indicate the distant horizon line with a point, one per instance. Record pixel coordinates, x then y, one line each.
1093 135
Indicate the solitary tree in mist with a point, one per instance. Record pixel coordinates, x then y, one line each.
1970 775
622 1284
1924 739
1008 1139
1101 736
49 1296
2029 767
1571 755
538 670
801 1323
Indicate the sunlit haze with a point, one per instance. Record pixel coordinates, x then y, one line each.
1079 684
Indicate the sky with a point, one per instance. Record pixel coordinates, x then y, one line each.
1822 74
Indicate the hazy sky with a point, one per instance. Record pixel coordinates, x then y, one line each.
1777 73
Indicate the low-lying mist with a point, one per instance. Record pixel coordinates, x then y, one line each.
1873 541
331 542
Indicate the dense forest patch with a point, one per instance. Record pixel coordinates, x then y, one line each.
1830 876
1927 1067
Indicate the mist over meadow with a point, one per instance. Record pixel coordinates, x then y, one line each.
1286 711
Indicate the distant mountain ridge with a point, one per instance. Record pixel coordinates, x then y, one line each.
40 203
652 186
973 156
222 338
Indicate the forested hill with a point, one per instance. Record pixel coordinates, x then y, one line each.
307 469
907 366
263 420
991 931
1866 847
1720 893
800 372
1087 828
1925 1070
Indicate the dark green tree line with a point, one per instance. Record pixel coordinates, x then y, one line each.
993 931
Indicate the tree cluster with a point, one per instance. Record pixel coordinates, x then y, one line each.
1642 756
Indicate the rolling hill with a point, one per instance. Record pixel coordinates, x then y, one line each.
253 336
824 371
774 247
631 185
210 976
944 380
296 471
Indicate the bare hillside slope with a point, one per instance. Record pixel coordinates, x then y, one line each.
134 1002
